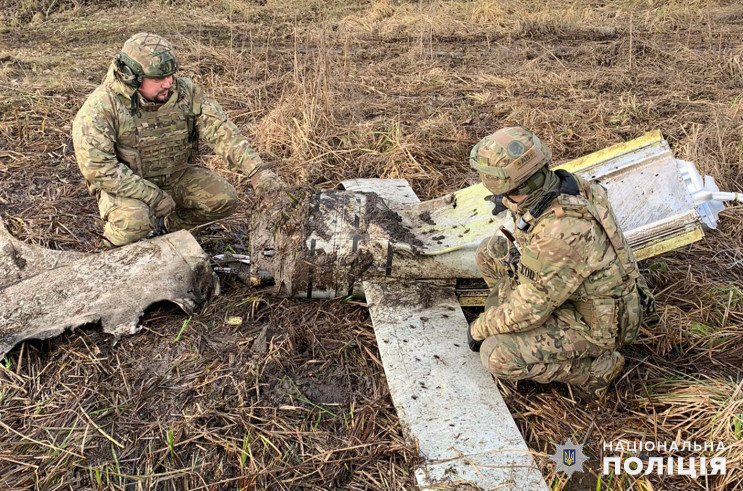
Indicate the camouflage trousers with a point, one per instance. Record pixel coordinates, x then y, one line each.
200 195
562 349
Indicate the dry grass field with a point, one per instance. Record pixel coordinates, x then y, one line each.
295 397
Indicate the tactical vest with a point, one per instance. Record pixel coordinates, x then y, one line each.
162 140
596 204
603 311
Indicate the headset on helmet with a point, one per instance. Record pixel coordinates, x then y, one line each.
130 76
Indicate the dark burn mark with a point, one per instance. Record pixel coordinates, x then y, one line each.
426 218
388 265
311 270
389 220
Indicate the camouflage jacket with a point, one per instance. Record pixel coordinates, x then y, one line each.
566 256
105 118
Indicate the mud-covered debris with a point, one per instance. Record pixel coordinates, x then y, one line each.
263 341
379 213
112 288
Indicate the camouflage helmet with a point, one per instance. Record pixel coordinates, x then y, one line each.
146 55
508 158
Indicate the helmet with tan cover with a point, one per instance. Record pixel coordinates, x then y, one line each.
508 158
146 55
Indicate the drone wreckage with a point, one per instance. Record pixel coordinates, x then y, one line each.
412 261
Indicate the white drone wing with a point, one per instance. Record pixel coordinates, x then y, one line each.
446 401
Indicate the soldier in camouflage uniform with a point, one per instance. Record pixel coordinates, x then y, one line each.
566 291
135 138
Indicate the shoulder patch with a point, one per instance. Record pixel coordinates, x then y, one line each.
569 201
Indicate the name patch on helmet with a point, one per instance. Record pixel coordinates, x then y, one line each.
515 149
525 158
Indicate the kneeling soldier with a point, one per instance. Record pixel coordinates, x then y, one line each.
566 291
134 139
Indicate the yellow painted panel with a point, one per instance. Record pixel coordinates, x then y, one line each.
668 244
595 158
476 300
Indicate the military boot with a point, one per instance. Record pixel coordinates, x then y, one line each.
601 373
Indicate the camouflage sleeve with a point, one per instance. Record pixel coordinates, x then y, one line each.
223 136
93 136
558 268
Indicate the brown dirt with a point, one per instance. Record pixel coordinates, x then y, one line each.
390 221
335 90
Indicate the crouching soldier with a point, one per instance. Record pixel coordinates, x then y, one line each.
135 138
565 288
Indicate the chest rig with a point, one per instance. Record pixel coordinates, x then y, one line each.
524 265
580 199
603 297
162 139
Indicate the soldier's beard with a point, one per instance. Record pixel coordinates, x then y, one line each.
162 96
159 98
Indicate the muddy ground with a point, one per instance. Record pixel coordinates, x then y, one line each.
295 396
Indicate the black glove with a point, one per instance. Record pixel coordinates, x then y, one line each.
497 200
472 342
160 228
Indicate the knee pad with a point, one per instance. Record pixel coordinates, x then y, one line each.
489 257
481 258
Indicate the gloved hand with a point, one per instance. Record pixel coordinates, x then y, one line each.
164 205
473 343
278 200
497 200
266 182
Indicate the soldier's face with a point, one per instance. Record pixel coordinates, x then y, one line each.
156 89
